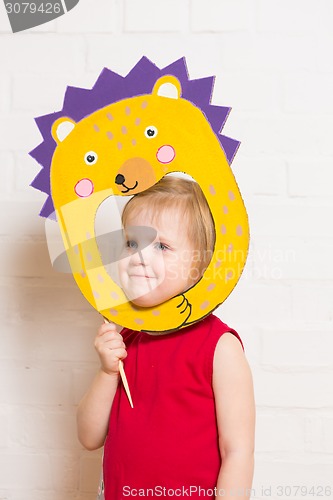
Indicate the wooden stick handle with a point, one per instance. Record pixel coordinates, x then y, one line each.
125 383
123 377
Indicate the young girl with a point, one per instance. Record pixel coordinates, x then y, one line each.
191 431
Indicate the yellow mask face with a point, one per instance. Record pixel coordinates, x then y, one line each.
122 149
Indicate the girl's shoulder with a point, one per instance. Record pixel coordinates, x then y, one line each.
218 328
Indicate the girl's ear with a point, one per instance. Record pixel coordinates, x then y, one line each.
168 86
62 128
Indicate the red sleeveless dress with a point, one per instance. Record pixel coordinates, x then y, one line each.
167 443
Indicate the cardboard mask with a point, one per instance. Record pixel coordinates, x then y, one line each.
120 138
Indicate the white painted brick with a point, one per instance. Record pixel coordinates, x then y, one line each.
288 219
90 470
247 91
311 133
291 471
323 61
6 174
327 434
5 92
269 52
260 176
262 260
88 17
18 132
313 302
293 348
30 53
24 305
24 258
319 433
21 218
64 342
70 343
23 301
46 495
46 91
4 427
64 471
314 432
258 304
155 16
288 435
310 177
13 346
82 379
122 52
35 386
26 169
25 471
219 15
286 135
308 93
288 258
46 94
5 495
297 16
292 390
44 429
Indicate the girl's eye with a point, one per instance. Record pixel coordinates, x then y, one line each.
131 244
161 246
151 132
90 158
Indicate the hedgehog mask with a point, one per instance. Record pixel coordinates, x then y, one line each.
117 140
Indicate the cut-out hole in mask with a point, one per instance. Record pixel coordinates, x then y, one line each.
120 250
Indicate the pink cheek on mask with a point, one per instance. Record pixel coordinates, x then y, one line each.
165 154
84 188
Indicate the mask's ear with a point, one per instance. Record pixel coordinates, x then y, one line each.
62 128
167 86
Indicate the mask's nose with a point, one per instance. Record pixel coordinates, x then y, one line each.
136 174
120 179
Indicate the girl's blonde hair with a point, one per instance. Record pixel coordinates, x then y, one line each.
178 193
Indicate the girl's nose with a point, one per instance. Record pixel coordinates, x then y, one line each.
141 257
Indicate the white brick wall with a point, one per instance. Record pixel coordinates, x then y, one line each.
274 66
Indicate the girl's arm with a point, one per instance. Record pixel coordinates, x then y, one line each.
235 411
94 409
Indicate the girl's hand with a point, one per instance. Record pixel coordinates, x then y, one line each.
110 348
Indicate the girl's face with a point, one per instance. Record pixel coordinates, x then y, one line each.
157 259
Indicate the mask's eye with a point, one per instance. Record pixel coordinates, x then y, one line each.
90 158
151 132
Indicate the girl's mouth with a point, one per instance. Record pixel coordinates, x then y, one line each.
140 276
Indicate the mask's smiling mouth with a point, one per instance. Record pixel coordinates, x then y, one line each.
127 189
